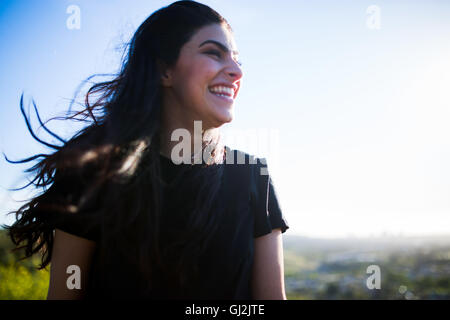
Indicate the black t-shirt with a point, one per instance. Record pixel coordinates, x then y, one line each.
251 209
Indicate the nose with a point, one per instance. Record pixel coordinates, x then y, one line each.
234 71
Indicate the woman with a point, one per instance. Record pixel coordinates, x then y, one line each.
128 221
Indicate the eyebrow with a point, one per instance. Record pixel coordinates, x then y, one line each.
220 45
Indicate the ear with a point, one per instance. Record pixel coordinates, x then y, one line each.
164 71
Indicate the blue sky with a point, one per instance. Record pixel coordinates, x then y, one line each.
360 115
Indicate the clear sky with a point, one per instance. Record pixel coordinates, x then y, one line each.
355 95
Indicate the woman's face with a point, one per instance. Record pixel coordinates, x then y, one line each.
203 65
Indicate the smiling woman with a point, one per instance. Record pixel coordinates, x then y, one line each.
203 83
134 223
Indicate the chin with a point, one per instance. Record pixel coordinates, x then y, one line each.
219 115
224 118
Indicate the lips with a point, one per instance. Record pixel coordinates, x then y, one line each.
226 98
234 87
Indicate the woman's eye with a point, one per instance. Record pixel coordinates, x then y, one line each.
217 53
214 52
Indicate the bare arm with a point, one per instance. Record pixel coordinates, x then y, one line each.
69 250
268 267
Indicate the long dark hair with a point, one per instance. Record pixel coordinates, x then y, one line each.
109 173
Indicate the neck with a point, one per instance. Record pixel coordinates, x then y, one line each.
197 139
195 136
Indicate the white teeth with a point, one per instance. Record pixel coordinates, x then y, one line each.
220 89
221 95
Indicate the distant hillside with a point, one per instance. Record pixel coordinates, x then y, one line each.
302 244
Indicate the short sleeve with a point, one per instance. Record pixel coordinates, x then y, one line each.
67 191
265 205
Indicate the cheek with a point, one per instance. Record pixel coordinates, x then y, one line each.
195 78
201 77
205 70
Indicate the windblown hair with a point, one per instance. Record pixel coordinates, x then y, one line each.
109 172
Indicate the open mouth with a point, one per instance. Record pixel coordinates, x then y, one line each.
223 92
222 96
